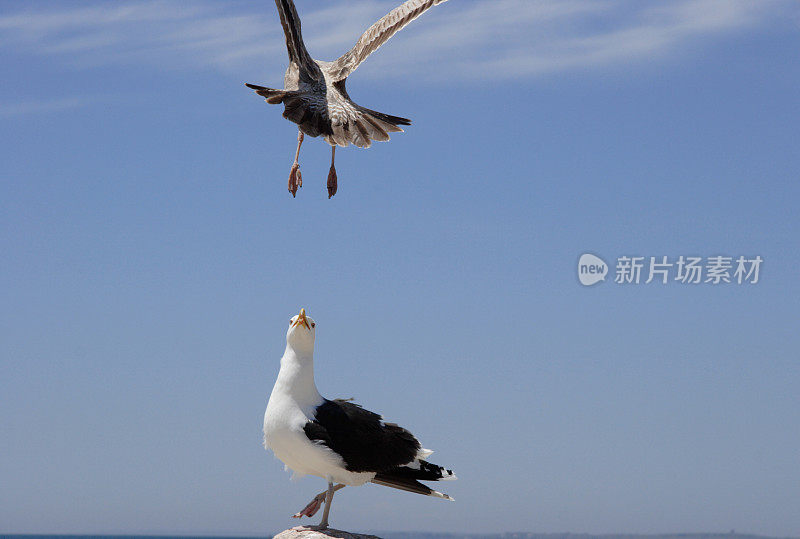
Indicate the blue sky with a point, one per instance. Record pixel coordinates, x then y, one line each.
152 258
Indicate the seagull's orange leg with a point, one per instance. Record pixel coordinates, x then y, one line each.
295 178
332 185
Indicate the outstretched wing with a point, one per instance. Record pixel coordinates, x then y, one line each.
294 41
361 438
378 34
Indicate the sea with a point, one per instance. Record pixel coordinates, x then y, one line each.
430 535
36 536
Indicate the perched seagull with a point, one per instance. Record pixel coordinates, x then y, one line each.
314 94
337 440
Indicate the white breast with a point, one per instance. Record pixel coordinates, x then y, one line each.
291 406
284 435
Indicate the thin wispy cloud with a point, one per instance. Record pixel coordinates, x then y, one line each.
39 106
462 39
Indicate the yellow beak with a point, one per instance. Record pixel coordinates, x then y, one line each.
301 319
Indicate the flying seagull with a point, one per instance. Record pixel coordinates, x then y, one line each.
336 439
314 94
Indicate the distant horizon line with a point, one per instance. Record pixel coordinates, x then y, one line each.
398 534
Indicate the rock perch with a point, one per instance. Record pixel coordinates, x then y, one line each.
311 532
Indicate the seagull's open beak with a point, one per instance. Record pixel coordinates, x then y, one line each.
301 319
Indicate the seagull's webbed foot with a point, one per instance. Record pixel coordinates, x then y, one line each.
313 506
332 184
295 179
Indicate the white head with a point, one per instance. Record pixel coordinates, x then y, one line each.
300 335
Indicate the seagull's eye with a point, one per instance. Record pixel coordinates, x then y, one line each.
313 325
290 320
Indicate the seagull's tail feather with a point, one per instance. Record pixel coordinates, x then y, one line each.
408 477
272 95
423 453
387 479
388 118
365 126
423 471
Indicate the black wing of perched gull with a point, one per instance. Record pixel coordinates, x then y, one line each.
378 34
367 444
